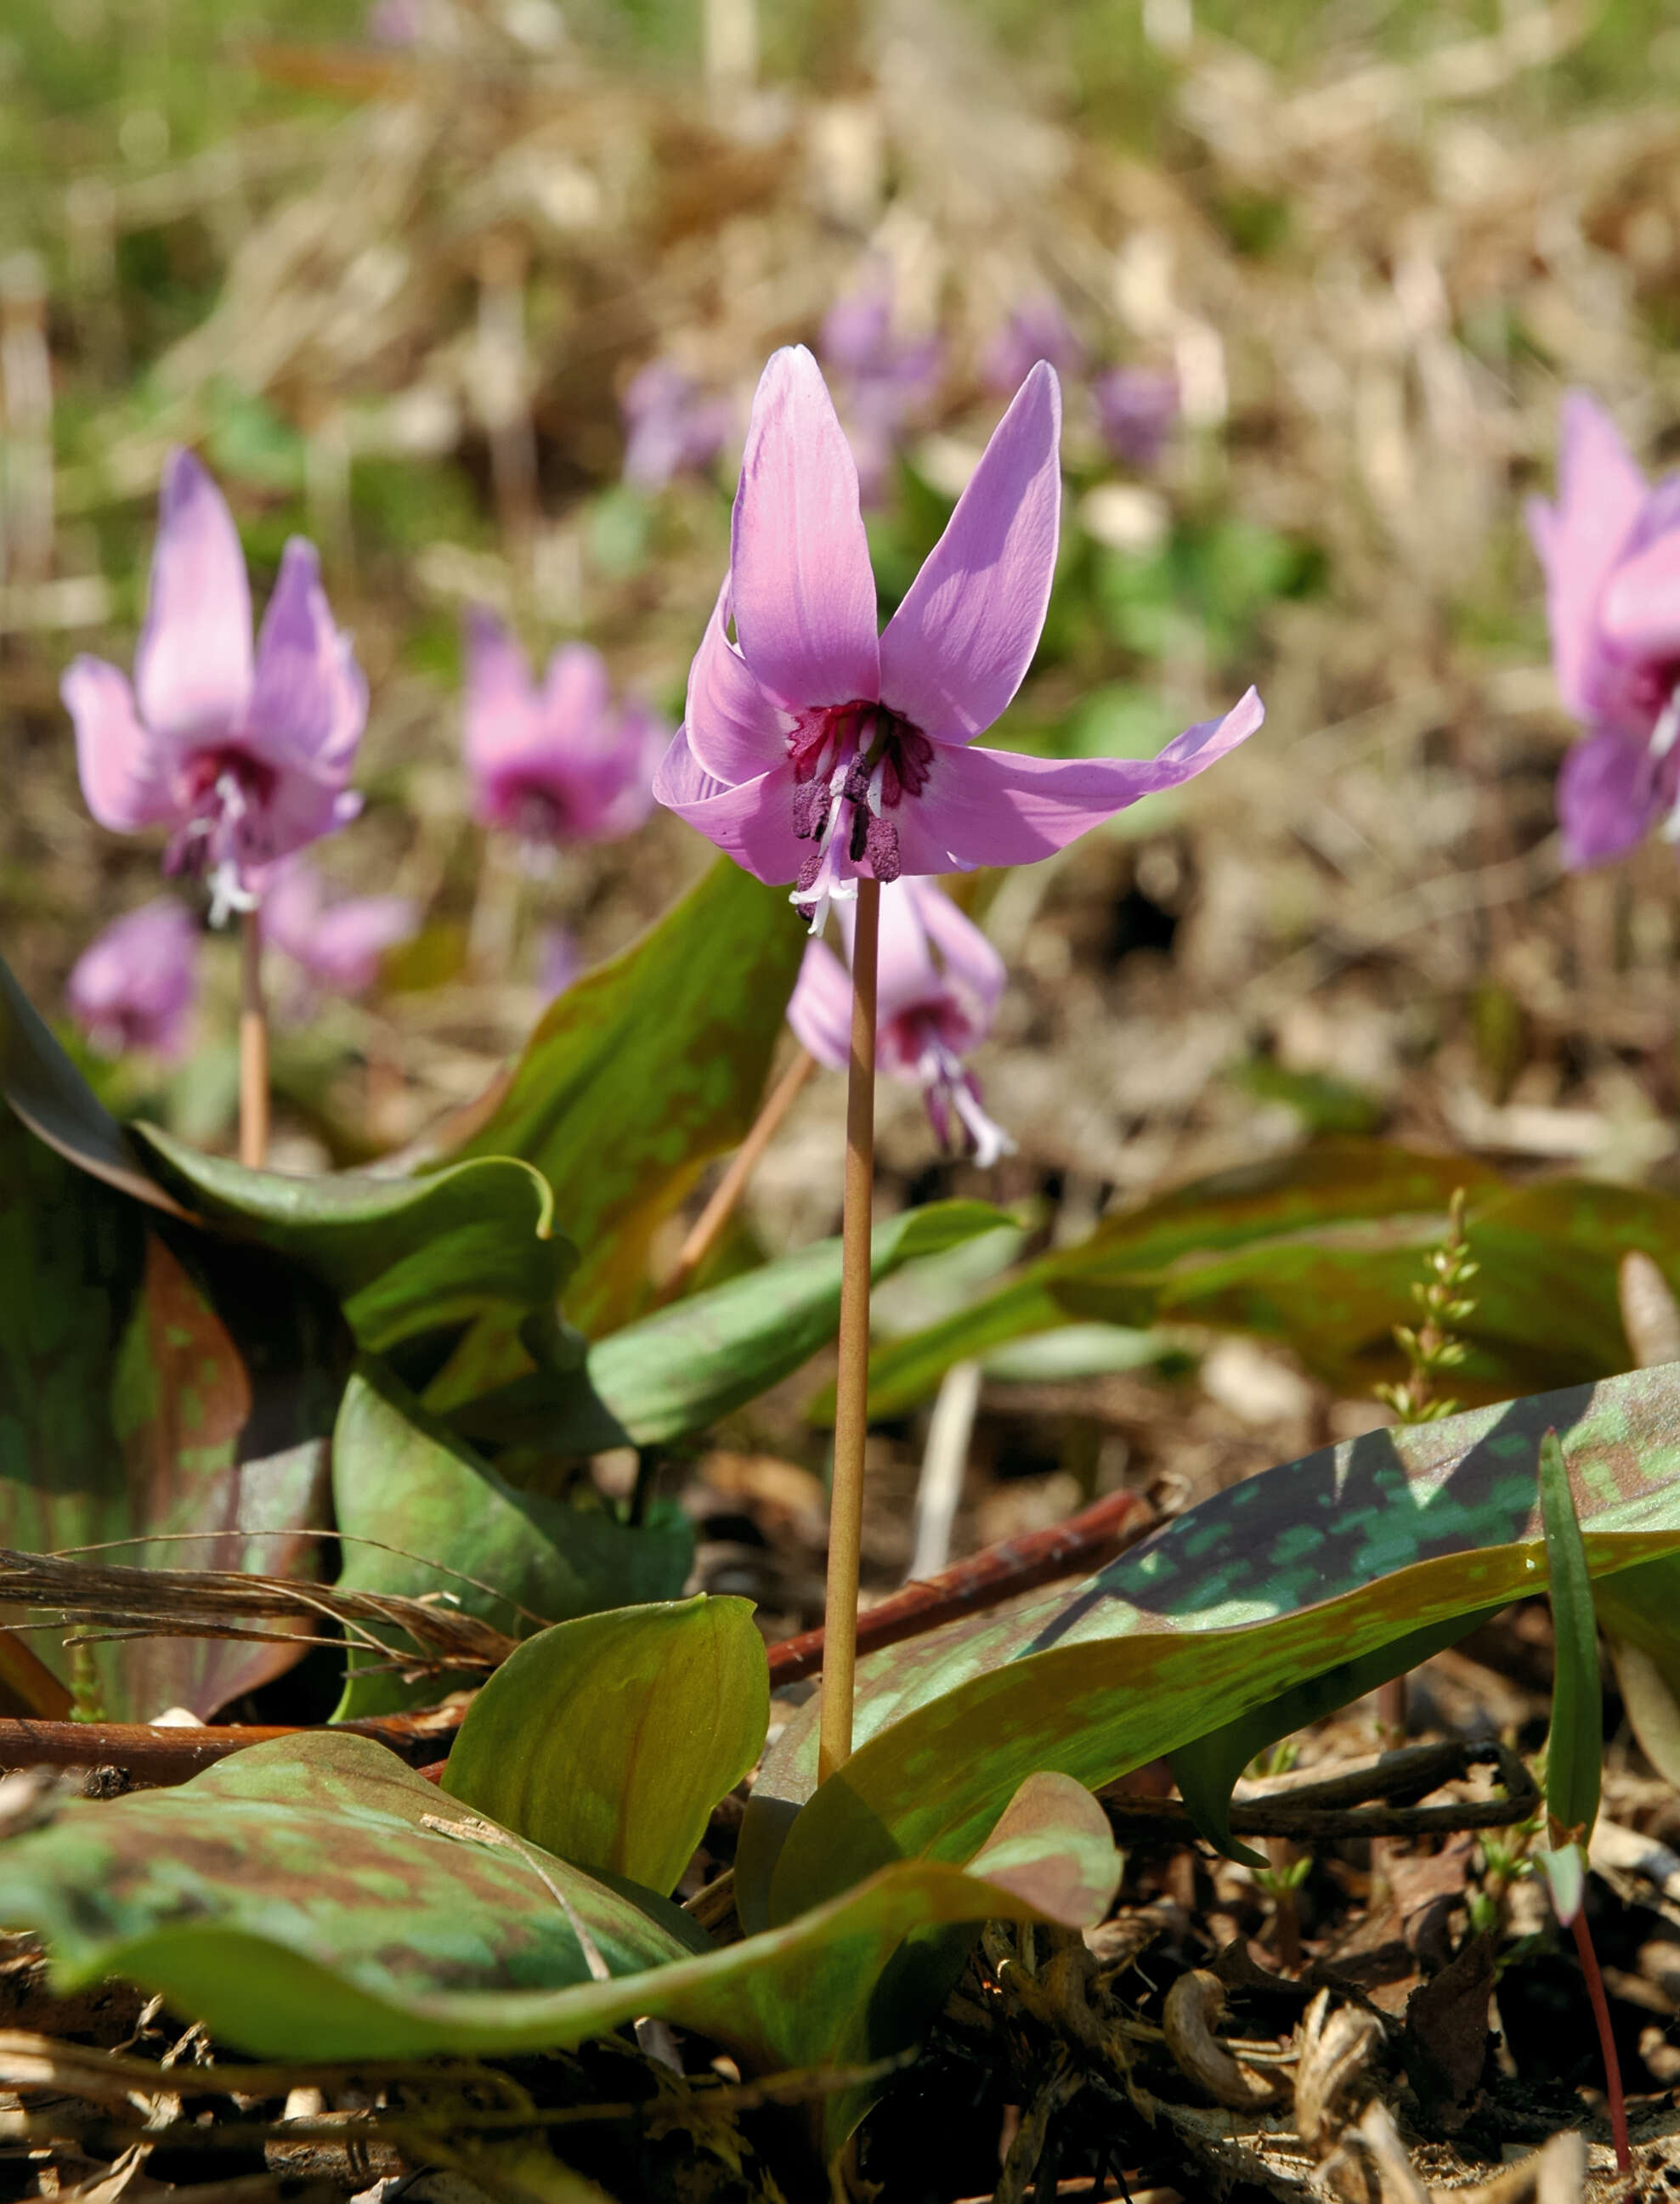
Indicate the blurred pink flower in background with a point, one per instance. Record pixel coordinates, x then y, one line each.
559 960
939 985
882 380
337 944
816 750
673 425
396 22
1036 329
134 986
560 764
1136 410
1611 548
245 762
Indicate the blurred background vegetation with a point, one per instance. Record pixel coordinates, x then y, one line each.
391 272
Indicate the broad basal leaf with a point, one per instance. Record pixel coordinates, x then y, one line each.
1319 1249
679 1371
1128 1270
1280 1580
403 1255
299 1901
640 1073
297 1898
153 1382
424 1516
608 1740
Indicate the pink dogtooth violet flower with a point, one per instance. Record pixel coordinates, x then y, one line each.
133 986
558 765
1135 409
938 987
1611 549
1038 328
335 943
245 761
817 752
884 380
672 426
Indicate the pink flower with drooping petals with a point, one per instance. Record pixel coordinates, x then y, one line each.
246 762
884 381
1611 548
134 986
338 944
559 765
1036 329
814 751
938 985
1135 409
672 426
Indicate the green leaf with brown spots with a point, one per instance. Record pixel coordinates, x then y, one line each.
154 1382
609 1739
302 1900
639 1074
1332 1564
1319 1250
425 1517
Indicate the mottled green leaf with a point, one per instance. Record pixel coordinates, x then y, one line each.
402 1481
1546 1296
53 1100
154 1382
1574 1749
608 1740
295 1900
1132 1266
294 1897
403 1255
679 1371
1288 1576
640 1073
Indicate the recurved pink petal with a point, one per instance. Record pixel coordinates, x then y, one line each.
126 771
308 701
1640 610
972 966
820 1008
956 649
752 821
799 562
997 808
193 663
1600 494
735 729
1608 799
576 697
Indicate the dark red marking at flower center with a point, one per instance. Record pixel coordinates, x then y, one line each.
853 765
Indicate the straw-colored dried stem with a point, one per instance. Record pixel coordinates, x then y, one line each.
707 1227
253 1045
845 1506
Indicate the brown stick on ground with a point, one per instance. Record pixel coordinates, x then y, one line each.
151 1756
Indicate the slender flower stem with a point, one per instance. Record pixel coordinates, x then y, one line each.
1612 2070
253 1045
846 1505
707 1227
